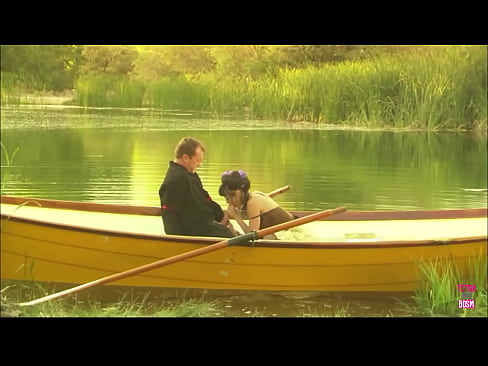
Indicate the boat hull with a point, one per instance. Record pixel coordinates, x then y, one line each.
37 250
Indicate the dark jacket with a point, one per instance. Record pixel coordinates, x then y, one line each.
187 208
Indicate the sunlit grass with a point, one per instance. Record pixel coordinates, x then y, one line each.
127 305
439 293
143 305
434 89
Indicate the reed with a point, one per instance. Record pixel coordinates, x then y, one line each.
433 88
436 89
439 294
109 91
176 93
8 159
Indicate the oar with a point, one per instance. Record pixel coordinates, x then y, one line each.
279 191
254 235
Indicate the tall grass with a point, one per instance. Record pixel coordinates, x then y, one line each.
435 89
176 93
109 91
439 293
430 88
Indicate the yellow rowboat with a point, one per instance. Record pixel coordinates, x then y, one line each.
78 242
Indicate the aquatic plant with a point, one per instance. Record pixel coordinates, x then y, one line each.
9 159
439 293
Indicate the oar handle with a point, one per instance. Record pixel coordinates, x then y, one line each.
279 191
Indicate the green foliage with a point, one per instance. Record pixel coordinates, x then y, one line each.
117 60
439 293
158 62
101 90
241 61
430 89
40 67
176 93
425 87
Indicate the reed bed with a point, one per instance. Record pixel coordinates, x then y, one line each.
109 91
435 88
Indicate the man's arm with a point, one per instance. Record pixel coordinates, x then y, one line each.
173 194
171 221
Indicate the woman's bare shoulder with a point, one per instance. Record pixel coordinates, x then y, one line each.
262 200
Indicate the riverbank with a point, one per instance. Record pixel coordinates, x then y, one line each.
437 89
117 301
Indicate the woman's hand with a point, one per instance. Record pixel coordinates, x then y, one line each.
231 210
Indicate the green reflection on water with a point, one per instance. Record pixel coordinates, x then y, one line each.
117 156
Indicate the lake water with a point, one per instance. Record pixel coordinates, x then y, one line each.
121 156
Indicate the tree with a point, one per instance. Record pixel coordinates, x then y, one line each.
41 66
242 60
156 62
117 60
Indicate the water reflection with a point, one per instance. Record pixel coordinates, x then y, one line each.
121 155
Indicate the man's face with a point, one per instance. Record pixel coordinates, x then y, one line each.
191 164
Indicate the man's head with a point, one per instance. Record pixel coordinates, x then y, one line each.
189 153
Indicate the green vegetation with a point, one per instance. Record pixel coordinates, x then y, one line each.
7 161
421 87
126 306
439 294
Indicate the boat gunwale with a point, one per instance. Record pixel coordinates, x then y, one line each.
156 211
262 243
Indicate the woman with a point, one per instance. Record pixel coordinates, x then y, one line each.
257 207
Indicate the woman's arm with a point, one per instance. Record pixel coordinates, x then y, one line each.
254 213
233 213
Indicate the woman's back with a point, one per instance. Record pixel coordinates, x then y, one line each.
260 204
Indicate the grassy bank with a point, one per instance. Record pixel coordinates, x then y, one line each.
128 304
442 88
436 88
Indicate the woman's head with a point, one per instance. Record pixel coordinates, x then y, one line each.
234 181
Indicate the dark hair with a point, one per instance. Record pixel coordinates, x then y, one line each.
187 145
233 180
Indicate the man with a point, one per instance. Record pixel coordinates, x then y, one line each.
187 208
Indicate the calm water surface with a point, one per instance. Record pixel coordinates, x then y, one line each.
121 155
